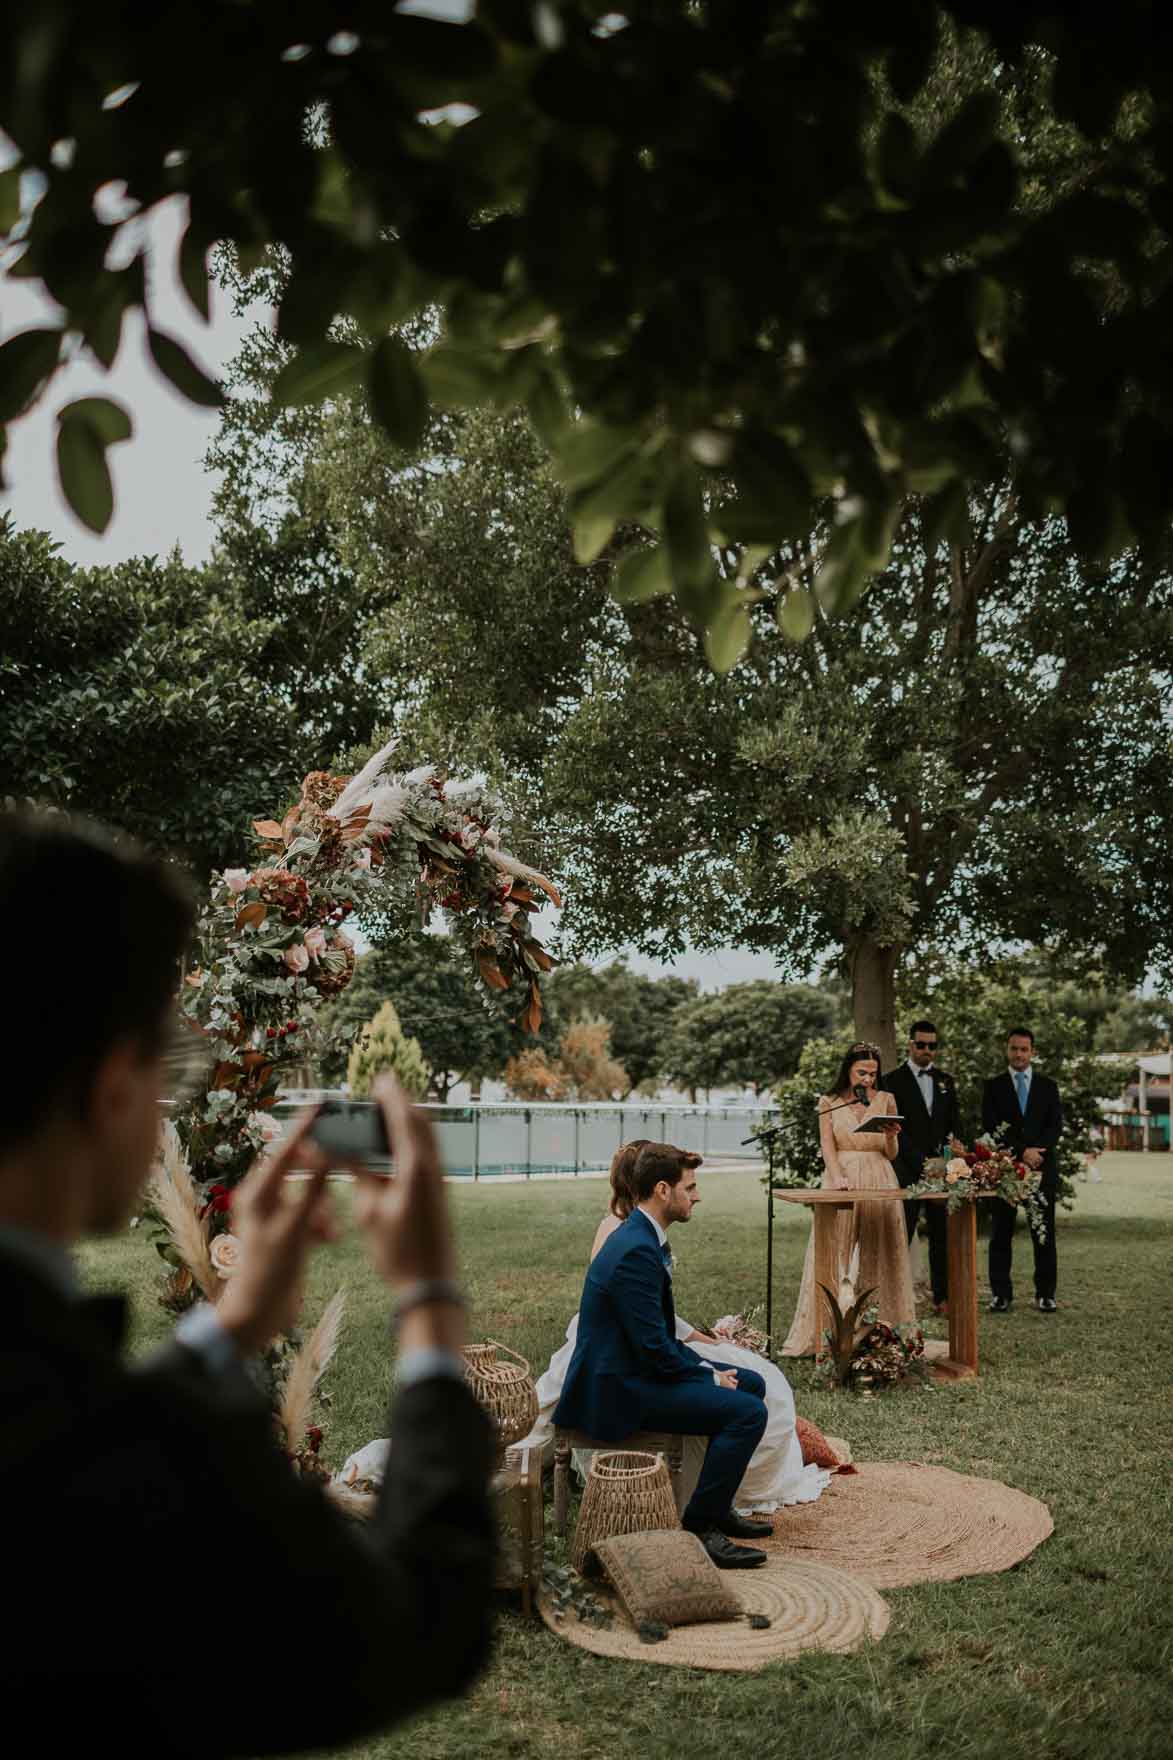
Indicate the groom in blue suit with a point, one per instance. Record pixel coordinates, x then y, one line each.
629 1372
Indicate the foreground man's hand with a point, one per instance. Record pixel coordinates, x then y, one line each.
276 1225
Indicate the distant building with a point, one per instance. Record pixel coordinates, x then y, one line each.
1139 1117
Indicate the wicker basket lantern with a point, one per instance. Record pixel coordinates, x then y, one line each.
627 1492
505 1388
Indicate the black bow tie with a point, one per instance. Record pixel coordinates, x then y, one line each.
105 1318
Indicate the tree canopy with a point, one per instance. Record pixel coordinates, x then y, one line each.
732 259
639 1009
746 1035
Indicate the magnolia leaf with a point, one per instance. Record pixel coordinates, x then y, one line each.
252 915
26 361
193 270
491 972
83 472
687 533
268 828
589 451
641 575
397 392
458 378
547 410
321 369
796 614
728 633
9 198
190 380
109 420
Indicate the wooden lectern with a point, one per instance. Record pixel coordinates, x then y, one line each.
962 1360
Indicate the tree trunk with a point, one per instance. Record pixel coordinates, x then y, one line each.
873 995
474 1087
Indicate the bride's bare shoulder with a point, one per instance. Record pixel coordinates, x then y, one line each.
604 1231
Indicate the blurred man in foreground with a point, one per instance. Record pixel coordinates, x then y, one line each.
171 1586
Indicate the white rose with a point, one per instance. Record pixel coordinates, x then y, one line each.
315 942
236 879
224 1253
297 958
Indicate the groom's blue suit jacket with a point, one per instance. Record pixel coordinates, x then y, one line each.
626 1337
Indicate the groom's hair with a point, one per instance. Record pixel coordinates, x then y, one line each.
100 966
660 1161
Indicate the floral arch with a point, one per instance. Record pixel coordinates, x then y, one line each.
272 940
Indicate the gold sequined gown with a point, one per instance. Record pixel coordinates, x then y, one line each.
879 1228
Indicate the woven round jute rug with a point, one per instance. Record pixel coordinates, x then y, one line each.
895 1523
809 1607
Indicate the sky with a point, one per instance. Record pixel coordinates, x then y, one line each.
163 495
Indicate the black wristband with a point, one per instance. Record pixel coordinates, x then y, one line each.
425 1291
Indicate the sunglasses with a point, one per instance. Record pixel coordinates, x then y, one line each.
925 1044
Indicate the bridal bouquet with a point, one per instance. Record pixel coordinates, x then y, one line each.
742 1329
986 1171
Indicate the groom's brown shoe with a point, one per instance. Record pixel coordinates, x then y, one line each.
736 1527
726 1556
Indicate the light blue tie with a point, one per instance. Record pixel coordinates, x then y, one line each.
1020 1084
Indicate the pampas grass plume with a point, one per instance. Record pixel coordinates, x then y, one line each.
173 1190
307 1369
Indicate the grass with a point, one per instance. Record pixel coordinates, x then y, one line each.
1067 1656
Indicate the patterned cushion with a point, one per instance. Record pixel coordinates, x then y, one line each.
666 1575
816 1450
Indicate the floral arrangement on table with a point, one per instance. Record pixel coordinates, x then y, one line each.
273 943
986 1171
864 1353
743 1330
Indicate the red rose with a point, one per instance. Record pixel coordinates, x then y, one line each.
314 1437
981 1153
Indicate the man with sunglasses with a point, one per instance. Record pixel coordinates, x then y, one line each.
927 1097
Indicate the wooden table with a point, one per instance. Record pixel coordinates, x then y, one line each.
961 1236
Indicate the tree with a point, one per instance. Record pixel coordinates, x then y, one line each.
386 1047
169 701
587 232
461 1035
640 1010
582 1070
745 1036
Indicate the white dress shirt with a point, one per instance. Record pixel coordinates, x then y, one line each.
924 1081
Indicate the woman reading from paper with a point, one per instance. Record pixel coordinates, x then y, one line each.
859 1160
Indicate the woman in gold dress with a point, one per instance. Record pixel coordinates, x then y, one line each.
854 1161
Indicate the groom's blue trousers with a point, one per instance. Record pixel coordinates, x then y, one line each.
733 1420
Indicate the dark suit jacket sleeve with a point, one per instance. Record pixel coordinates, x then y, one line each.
211 1562
993 1110
634 1287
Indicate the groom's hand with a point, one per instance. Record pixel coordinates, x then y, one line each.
727 1378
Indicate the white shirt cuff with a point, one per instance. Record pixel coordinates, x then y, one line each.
428 1362
200 1331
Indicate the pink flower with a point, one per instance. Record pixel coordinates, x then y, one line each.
314 941
296 958
509 911
236 879
362 858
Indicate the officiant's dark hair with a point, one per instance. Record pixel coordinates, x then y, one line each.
102 966
657 1161
863 1048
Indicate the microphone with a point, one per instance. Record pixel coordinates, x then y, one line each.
861 1093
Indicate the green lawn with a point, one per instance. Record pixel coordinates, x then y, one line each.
1066 1656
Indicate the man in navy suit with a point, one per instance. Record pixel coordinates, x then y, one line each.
1022 1109
629 1372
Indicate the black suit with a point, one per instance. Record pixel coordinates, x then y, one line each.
923 1134
174 1589
1039 1129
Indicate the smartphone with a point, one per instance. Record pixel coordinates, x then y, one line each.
353 1130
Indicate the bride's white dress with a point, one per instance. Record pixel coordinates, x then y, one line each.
775 1476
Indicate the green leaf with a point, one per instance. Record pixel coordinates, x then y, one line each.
322 369
547 410
460 378
109 420
9 198
945 517
595 513
772 485
640 576
728 633
796 614
686 531
190 380
842 573
84 474
26 361
397 392
193 269
589 451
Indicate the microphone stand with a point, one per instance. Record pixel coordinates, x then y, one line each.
770 1139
